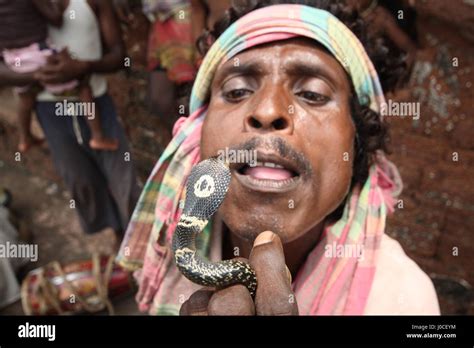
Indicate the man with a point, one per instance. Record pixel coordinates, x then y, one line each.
102 183
293 85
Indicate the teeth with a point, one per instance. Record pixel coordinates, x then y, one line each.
269 165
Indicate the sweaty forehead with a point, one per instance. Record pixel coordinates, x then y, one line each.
287 56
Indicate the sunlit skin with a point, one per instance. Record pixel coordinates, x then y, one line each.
254 104
296 91
293 95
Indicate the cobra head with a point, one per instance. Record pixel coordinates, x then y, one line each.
206 188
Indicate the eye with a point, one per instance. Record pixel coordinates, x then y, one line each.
313 97
236 95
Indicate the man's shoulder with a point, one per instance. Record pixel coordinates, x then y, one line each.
400 286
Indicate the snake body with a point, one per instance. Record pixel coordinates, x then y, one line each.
205 190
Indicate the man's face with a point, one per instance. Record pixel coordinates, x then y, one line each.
289 102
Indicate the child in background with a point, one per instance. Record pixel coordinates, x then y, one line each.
23 44
170 57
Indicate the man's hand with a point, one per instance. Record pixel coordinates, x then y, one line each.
274 295
61 67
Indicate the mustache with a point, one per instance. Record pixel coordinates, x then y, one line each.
278 145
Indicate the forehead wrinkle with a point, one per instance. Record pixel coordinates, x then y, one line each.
252 67
262 64
314 65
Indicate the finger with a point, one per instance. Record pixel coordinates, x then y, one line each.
50 68
274 295
50 73
234 300
54 58
197 303
49 78
43 78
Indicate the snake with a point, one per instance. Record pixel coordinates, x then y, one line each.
206 188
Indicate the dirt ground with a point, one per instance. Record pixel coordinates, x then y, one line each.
43 207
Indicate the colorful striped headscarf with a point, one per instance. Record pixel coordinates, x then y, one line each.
324 285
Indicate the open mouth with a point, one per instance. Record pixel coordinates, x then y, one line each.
271 173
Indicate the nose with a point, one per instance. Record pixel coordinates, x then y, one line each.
271 112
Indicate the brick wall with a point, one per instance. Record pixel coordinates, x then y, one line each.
435 155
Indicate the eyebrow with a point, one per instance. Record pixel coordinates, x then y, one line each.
243 69
294 68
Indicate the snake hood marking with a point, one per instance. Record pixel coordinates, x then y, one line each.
205 191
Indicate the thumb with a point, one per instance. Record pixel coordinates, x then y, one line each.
274 295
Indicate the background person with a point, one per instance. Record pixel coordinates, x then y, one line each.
103 185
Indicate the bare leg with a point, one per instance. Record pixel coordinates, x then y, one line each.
25 109
98 140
